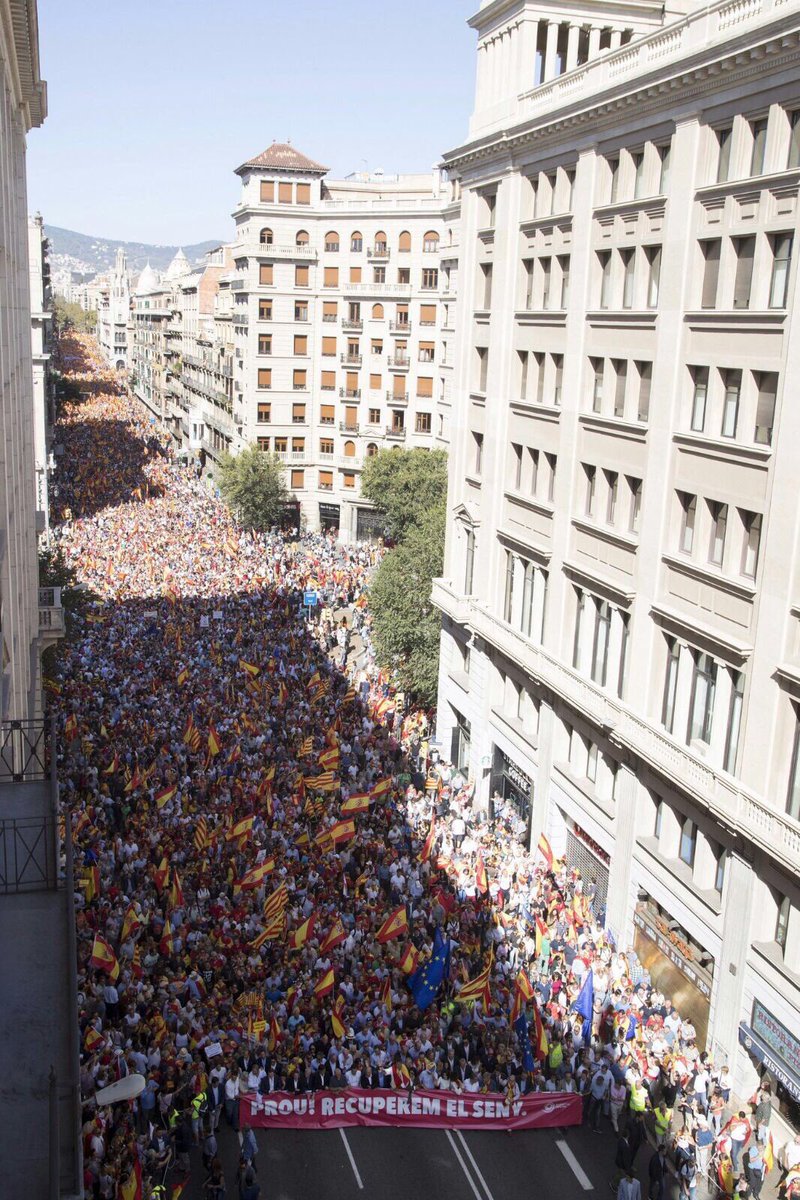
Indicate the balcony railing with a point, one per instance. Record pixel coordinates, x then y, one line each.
345 428
271 250
239 284
23 747
399 362
350 393
402 327
396 431
348 324
51 615
350 360
29 855
397 397
240 316
378 289
380 253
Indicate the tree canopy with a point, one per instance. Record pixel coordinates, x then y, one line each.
406 485
253 486
68 313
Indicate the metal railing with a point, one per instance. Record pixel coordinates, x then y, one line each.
28 854
23 748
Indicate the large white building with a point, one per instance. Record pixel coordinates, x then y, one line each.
621 595
341 294
41 303
113 313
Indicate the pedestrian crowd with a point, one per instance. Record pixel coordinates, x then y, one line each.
263 862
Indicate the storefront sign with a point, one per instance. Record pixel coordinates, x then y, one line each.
420 1108
514 775
591 844
761 1053
777 1037
329 511
673 954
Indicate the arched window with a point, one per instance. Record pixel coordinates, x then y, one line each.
349 449
356 242
302 238
332 241
377 312
265 237
405 242
381 244
372 450
430 243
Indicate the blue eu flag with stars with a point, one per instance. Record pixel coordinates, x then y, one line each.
521 1030
426 981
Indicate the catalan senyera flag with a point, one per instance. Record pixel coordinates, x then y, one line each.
201 835
386 994
314 681
324 985
188 732
326 782
165 795
334 937
161 875
382 788
342 831
93 1040
477 988
252 670
131 1188
358 802
299 936
240 829
272 931
410 960
395 925
350 695
253 878
383 706
427 848
544 848
103 958
131 921
329 760
481 882
176 899
307 747
337 1021
213 741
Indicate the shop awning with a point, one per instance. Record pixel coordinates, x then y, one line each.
755 1047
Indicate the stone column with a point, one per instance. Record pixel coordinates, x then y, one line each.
540 801
616 39
572 46
729 970
620 902
594 41
550 51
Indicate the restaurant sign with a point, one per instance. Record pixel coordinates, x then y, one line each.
673 954
777 1037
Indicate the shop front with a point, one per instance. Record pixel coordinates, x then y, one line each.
370 525
461 741
677 966
775 1053
329 517
512 785
584 854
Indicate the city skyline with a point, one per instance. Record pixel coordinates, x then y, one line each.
106 69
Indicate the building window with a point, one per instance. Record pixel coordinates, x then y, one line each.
262 443
563 263
300 344
356 242
638 174
508 598
546 265
620 366
327 414
404 242
298 479
328 381
301 310
653 256
332 242
552 463
793 157
758 130
628 267
264 378
613 180
782 922
602 634
299 380
767 383
265 274
265 343
645 370
303 193
699 398
330 278
374 416
781 263
477 439
734 722
264 413
265 237
719 873
659 818
265 310
604 259
793 791
688 843
326 445
298 414
284 193
580 609
590 474
483 367
267 191
348 479
664 156
744 248
730 407
469 560
301 276
635 488
751 523
670 685
301 237
612 488
430 279
598 367
423 422
372 449
719 526
516 466
724 140
711 252
701 705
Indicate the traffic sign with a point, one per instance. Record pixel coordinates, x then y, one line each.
309 599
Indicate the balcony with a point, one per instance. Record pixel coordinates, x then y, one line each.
332 318
238 284
348 462
349 325
397 397
241 317
272 250
379 253
399 362
400 327
350 360
377 289
345 428
51 616
291 456
350 393
397 432
325 487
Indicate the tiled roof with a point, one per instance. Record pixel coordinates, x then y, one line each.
280 156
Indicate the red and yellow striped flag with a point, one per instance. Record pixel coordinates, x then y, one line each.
161 875
427 848
307 747
201 835
481 882
335 936
176 891
342 831
93 1040
103 958
479 987
324 985
395 925
213 741
240 829
252 670
337 1018
545 850
276 902
410 960
113 766
299 936
386 994
274 1034
182 676
165 795
131 921
329 760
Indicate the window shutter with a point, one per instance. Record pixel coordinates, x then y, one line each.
331 277
267 191
284 193
375 382
304 193
301 276
424 386
328 381
427 314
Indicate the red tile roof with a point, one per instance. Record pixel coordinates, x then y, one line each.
281 156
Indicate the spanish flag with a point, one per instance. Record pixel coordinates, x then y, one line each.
324 985
136 962
189 731
337 1020
250 668
179 1188
427 848
386 994
523 984
382 788
359 802
134 782
256 876
481 882
545 850
131 921
324 841
342 831
92 882
299 936
395 925
165 795
93 1040
302 840
540 1043
274 1034
213 742
103 958
400 1075
276 902
329 759
161 875
725 1174
183 676
176 891
240 829
166 945
235 754
113 766
769 1153
335 936
71 727
314 681
131 1188
410 960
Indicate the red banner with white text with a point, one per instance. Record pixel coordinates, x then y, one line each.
420 1108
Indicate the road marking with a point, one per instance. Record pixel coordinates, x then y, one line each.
457 1153
577 1170
352 1160
475 1166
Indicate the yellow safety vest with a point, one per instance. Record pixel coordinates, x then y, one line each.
638 1099
556 1055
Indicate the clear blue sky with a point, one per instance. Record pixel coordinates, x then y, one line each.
154 103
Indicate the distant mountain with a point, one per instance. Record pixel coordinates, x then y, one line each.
80 252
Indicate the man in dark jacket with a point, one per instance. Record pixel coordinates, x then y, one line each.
623 1161
658 1173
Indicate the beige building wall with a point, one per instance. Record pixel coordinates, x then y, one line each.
621 648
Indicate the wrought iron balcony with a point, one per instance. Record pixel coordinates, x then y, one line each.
51 615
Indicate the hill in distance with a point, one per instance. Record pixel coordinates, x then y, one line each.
72 251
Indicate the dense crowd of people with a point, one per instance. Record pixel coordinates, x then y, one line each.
263 860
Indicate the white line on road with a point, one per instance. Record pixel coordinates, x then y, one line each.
475 1166
577 1170
457 1153
352 1160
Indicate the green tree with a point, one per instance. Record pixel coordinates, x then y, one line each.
406 486
253 486
76 597
70 315
405 623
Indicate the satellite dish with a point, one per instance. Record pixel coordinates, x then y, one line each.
124 1089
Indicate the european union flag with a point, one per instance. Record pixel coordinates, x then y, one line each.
521 1030
426 981
584 1005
